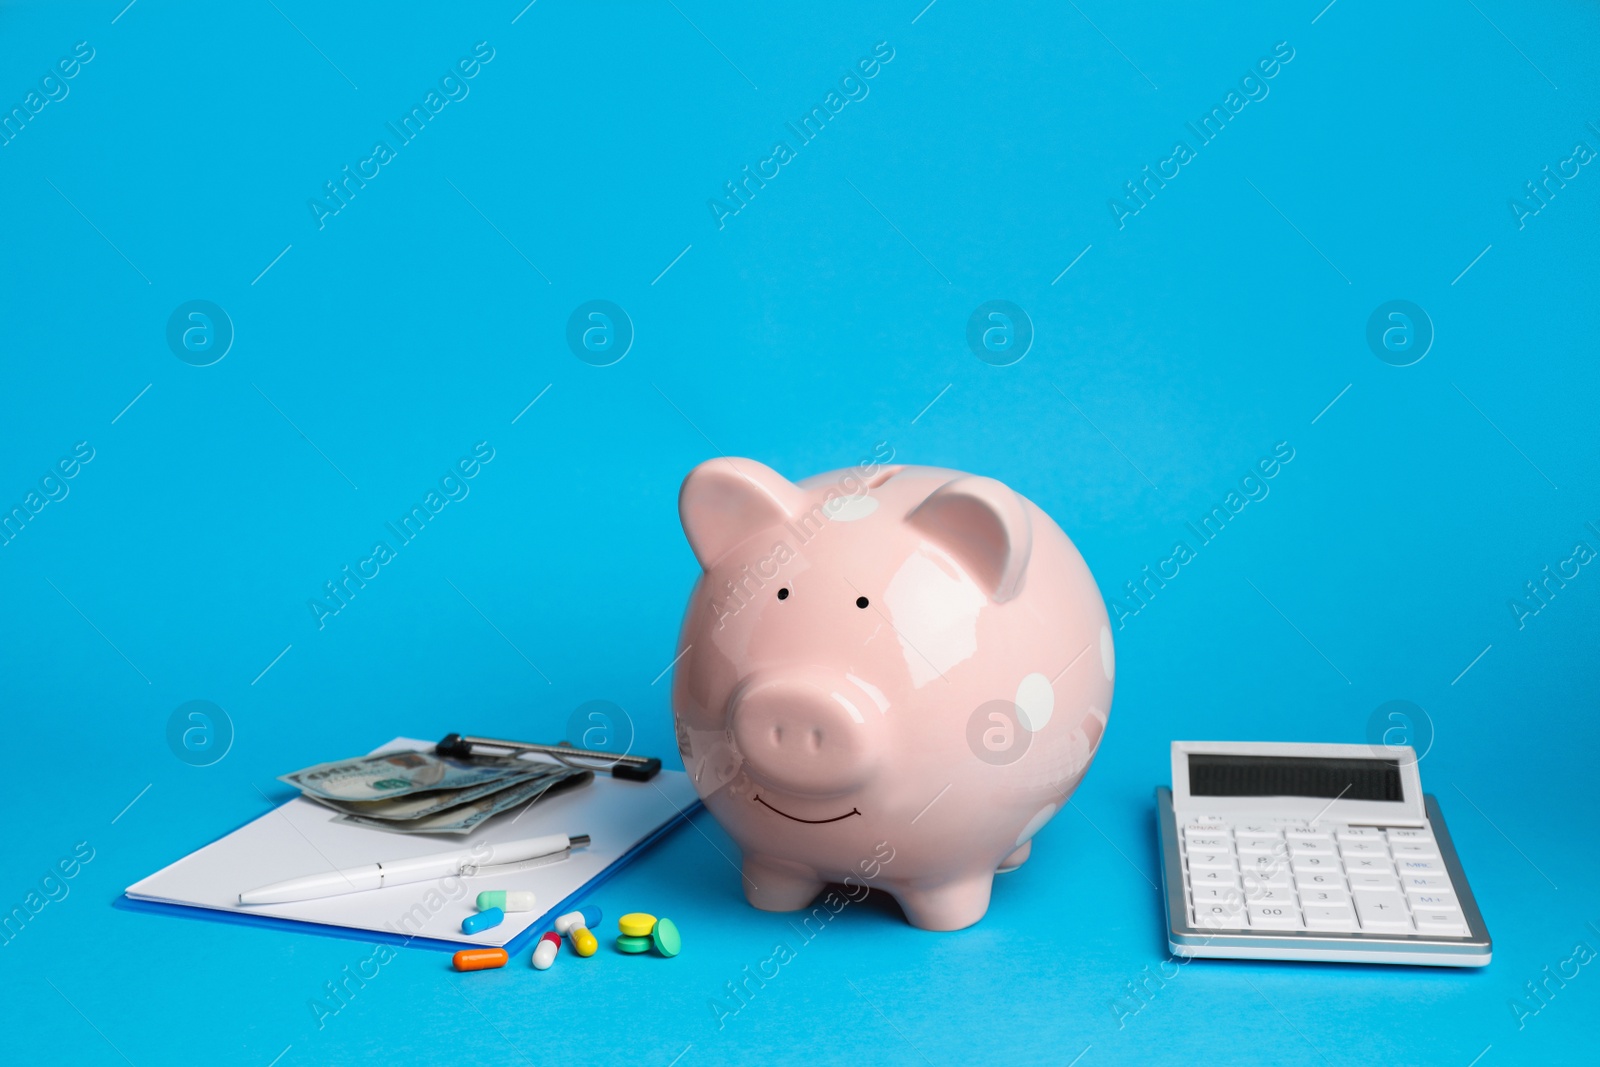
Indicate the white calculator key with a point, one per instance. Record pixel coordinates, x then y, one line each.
1318 880
1416 882
1311 864
1308 836
1260 846
1266 880
1322 918
1360 833
1216 894
1363 848
1446 923
1416 866
1279 896
1209 842
1384 882
1383 913
1263 864
1410 850
1311 848
1211 861
1199 878
1433 901
1368 865
1411 835
1205 826
1220 917
1274 917
1256 829
1325 898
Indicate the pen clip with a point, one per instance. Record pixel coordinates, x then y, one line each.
471 870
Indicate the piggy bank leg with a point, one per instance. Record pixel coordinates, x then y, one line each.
953 905
1017 858
775 885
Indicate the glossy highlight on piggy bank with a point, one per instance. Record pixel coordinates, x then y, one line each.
887 655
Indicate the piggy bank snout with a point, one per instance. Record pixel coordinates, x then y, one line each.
805 736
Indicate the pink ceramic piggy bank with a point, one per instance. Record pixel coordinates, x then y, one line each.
891 675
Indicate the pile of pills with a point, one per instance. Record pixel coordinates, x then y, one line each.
639 932
575 924
642 932
492 907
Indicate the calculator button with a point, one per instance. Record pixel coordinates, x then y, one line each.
1363 848
1444 923
1311 848
1216 894
1415 882
1278 896
1210 861
1418 836
1325 898
1384 882
1413 850
1274 917
1360 833
1220 917
1369 865
1209 826
1433 901
1310 864
1256 829
1263 864
1200 878
1318 880
1308 836
1266 880
1255 844
1209 842
1321 918
1383 912
1416 866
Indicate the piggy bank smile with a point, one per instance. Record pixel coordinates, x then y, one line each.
796 818
884 663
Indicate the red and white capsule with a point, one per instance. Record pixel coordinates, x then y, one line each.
544 954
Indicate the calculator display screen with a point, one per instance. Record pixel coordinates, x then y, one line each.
1217 775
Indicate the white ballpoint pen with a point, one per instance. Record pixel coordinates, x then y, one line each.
502 858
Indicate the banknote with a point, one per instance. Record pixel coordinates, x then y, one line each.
432 801
398 774
463 818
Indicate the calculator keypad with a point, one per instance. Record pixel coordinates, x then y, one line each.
1275 876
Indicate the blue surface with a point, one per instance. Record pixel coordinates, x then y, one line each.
827 315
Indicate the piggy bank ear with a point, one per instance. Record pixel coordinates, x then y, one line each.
723 501
983 524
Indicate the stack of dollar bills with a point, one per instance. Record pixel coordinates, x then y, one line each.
425 793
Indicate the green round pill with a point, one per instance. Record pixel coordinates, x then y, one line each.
633 945
666 938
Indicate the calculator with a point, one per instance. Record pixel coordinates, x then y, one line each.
1311 852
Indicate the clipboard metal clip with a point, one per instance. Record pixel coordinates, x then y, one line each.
630 768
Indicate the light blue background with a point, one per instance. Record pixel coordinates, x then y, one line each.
824 318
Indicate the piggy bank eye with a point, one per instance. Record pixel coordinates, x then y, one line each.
783 594
861 601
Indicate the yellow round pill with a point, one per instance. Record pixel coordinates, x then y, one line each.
636 924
